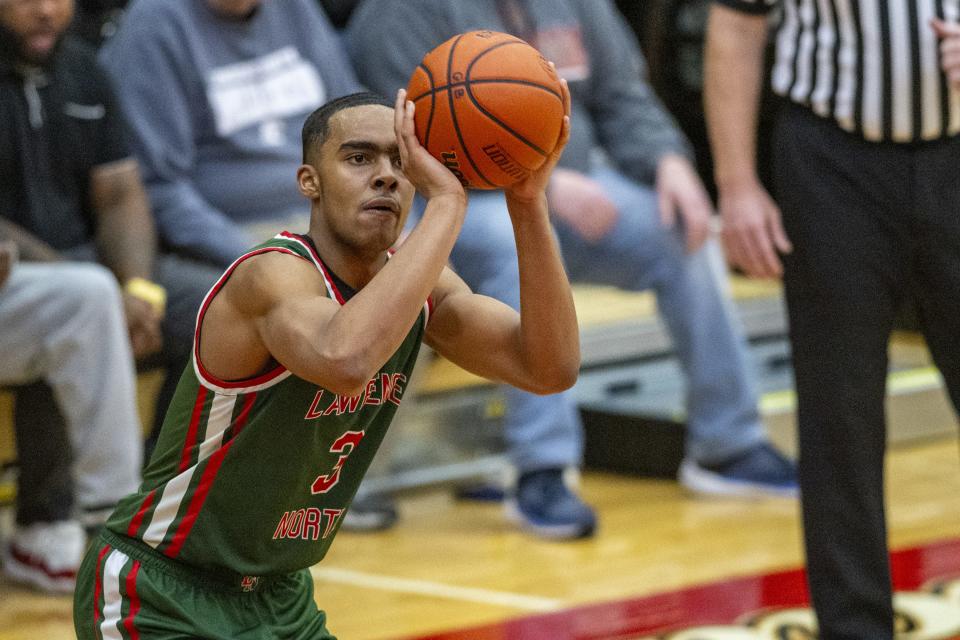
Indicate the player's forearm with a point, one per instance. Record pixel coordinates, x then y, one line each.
374 323
732 83
549 334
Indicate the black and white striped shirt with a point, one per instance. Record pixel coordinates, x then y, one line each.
871 65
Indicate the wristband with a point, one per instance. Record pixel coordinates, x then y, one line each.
149 292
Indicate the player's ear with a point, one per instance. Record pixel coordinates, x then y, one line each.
309 181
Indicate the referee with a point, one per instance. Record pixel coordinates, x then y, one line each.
867 176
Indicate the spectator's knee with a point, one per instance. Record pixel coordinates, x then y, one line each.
90 286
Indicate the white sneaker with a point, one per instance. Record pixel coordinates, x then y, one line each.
46 555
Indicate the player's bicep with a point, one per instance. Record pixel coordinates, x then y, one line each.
475 332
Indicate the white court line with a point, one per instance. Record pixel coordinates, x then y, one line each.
436 589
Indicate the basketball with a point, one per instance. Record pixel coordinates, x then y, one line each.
488 106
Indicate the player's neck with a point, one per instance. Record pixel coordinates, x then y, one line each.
356 268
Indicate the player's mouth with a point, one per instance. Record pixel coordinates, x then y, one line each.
381 205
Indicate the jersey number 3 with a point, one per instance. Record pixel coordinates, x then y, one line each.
344 445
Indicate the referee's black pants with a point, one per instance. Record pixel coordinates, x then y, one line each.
872 225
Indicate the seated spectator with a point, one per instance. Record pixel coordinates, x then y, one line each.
70 188
62 323
629 211
217 117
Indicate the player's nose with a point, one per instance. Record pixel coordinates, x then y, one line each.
386 175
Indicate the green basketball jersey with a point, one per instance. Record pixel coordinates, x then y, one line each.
254 476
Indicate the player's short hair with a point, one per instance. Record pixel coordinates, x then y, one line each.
317 126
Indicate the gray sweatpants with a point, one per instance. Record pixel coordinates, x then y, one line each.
63 323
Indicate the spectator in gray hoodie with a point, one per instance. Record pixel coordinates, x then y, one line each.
216 91
629 210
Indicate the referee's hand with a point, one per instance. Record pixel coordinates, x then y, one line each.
753 235
949 34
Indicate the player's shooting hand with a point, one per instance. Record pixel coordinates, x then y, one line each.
535 185
949 34
581 203
752 231
680 191
143 325
8 257
427 174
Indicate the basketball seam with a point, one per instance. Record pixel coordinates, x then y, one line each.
526 83
433 102
476 103
453 114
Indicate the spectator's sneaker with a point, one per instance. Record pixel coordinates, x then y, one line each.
372 512
46 555
760 471
543 505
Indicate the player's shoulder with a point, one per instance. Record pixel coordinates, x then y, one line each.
266 276
274 265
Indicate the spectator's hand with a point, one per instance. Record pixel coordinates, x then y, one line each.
949 34
8 257
427 174
535 185
143 324
679 190
581 203
752 231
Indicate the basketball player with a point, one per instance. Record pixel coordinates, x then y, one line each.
301 356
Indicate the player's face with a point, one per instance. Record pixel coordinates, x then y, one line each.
36 25
365 197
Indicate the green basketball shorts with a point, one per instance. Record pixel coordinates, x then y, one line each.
126 590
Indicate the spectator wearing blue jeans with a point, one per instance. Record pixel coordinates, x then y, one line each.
629 211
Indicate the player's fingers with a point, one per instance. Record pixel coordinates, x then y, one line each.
398 109
409 126
564 93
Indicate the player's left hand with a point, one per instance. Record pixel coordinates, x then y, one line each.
535 185
680 191
949 34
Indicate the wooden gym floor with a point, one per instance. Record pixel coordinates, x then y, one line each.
661 560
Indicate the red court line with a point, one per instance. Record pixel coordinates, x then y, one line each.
714 603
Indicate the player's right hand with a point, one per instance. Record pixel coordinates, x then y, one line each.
426 173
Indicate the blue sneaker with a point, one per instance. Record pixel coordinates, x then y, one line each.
543 505
760 471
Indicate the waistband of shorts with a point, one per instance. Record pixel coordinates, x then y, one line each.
216 579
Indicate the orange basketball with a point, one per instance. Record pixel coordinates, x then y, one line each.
489 107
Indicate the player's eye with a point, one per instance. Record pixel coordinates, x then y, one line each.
397 162
357 158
